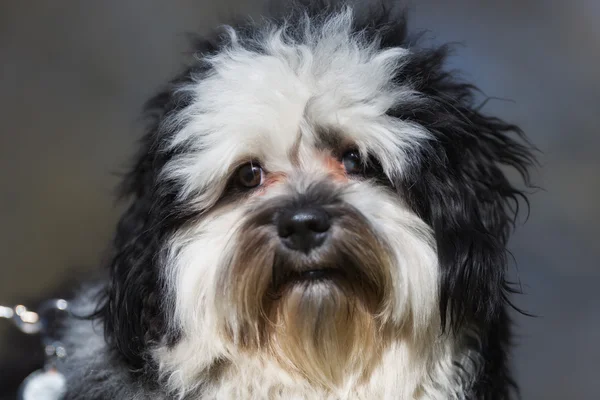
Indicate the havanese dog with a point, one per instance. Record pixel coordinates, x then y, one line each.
319 210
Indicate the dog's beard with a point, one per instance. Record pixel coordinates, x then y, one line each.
239 295
321 314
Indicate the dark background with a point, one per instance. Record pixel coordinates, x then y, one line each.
74 75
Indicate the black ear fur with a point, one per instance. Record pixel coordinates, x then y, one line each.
460 189
131 298
134 304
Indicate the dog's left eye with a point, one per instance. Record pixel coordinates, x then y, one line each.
249 175
352 162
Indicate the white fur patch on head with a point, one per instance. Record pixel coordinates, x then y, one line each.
255 101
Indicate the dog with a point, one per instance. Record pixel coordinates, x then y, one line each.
319 210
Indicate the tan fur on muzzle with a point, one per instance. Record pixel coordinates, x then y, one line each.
324 329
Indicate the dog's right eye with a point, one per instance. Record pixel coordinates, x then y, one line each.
249 175
352 163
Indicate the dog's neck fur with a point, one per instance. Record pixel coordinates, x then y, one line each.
444 370
401 374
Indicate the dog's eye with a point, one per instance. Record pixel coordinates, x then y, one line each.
352 162
249 175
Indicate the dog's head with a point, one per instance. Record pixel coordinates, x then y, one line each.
311 191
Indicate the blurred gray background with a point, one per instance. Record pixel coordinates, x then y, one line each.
74 76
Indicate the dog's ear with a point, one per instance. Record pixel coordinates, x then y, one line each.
458 185
131 299
135 302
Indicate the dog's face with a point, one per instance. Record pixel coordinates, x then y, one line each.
311 194
303 248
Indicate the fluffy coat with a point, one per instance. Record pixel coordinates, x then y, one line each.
203 302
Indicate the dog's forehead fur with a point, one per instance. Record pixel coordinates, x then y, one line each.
290 95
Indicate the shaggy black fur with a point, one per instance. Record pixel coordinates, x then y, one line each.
458 188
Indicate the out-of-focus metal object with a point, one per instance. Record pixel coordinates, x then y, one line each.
47 383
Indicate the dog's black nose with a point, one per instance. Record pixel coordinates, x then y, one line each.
303 229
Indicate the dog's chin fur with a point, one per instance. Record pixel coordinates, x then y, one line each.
405 296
